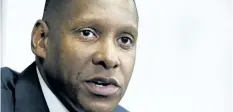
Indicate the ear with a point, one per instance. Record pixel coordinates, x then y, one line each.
39 39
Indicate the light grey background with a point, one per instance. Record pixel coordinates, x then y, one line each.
184 58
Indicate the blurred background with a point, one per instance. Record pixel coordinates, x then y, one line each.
184 54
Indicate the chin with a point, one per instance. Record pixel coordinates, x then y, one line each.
100 107
98 104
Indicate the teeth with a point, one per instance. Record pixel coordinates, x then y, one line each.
99 85
100 82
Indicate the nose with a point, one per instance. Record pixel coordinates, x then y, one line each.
106 56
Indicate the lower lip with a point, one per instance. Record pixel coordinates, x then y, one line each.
101 90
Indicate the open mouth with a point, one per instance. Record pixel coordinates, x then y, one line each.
102 86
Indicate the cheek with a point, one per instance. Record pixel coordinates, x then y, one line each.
74 57
127 65
72 60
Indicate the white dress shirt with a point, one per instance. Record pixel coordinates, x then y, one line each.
54 104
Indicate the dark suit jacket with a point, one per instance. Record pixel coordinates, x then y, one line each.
21 92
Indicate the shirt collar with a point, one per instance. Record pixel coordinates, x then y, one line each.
54 104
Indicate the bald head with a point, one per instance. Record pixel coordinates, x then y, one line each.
57 5
48 2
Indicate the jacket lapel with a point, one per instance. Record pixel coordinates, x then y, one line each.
28 93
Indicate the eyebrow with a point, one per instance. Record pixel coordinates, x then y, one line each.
127 27
131 29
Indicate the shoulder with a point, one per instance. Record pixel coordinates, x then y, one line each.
8 78
120 109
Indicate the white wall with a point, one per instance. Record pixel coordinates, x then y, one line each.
184 60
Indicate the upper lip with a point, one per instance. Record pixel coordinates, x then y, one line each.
110 80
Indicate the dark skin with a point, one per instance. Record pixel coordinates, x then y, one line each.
84 39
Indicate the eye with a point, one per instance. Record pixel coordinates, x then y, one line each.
87 33
125 42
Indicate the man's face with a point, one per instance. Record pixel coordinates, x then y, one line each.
91 51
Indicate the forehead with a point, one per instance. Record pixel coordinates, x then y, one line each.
108 11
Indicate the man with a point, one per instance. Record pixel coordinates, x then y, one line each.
85 53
